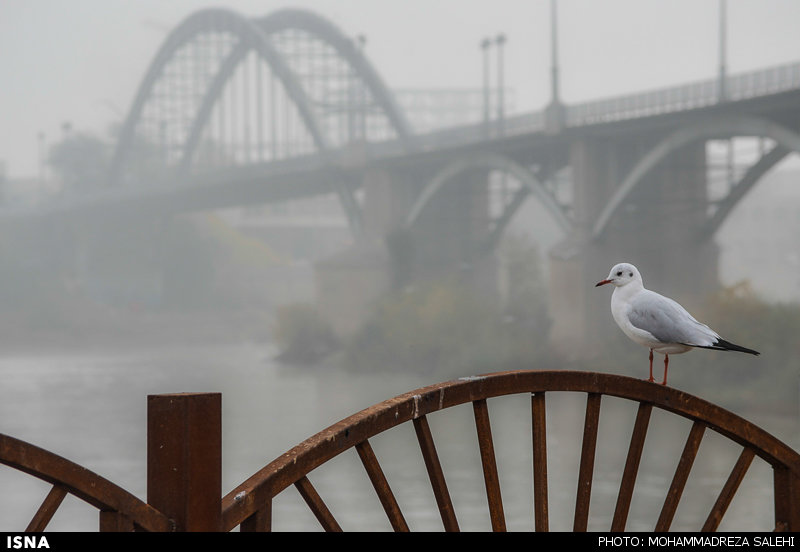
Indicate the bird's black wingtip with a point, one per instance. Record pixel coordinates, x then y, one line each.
728 346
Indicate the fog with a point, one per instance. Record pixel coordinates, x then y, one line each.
252 264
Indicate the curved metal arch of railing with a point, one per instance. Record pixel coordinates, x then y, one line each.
249 504
707 129
119 509
251 37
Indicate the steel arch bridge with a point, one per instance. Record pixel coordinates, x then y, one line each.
225 91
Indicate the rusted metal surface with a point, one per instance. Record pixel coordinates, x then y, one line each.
80 482
46 511
435 473
184 458
631 467
318 507
787 499
489 463
586 470
729 490
250 499
680 477
539 442
381 486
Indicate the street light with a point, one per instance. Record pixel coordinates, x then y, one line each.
554 113
500 41
554 51
485 44
723 93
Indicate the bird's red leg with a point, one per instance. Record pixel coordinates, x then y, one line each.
666 365
651 366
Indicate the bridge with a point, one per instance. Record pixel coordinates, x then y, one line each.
235 111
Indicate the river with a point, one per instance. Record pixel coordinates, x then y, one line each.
90 407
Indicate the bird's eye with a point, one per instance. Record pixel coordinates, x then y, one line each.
630 274
619 273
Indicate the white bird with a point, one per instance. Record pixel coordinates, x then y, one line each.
658 322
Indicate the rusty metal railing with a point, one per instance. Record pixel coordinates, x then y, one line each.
118 509
184 458
249 505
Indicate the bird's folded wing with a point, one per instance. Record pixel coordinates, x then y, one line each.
667 321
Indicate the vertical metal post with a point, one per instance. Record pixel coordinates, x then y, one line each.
41 187
723 46
361 41
485 43
554 113
553 53
184 459
259 110
500 40
273 117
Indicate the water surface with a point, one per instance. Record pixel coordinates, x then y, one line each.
91 409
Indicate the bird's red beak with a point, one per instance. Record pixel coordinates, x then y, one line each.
602 283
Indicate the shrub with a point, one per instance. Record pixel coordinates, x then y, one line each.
302 334
442 327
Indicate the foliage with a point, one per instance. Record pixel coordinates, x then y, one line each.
773 329
302 334
447 327
766 382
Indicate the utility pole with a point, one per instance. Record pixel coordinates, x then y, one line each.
553 53
485 43
500 41
554 113
723 46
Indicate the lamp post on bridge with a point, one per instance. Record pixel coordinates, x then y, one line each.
723 92
554 113
41 138
500 41
485 44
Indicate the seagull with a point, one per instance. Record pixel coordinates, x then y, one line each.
658 322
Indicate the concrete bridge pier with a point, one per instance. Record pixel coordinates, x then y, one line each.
655 229
389 255
349 283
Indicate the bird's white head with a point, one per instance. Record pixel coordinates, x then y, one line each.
622 274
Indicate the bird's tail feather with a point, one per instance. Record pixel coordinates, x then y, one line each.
722 345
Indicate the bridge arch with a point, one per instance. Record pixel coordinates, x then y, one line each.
786 140
321 28
251 37
325 30
254 35
491 161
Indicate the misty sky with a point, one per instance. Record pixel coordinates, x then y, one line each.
81 60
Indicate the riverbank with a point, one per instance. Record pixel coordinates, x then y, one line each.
116 329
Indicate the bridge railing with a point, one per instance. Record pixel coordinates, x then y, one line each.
687 96
693 95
